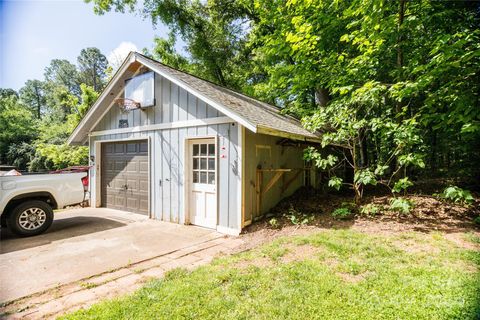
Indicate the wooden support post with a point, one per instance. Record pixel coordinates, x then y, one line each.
274 179
258 189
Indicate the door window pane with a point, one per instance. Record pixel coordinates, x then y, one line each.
211 149
195 163
211 164
203 163
195 149
195 176
203 177
203 149
211 178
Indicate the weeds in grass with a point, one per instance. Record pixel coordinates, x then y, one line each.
88 285
175 273
472 237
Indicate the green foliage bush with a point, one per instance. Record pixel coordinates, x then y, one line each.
477 220
298 218
370 210
402 185
342 213
457 195
273 223
20 155
401 205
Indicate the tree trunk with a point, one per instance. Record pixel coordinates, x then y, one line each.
363 148
322 97
39 106
401 16
94 79
433 154
399 105
349 171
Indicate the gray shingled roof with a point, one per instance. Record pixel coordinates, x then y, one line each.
258 113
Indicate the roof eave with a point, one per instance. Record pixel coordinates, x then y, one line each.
289 135
252 127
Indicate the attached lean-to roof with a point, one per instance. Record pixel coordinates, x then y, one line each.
255 115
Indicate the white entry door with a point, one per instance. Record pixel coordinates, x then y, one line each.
203 180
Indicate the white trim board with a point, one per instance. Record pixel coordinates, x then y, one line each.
229 231
169 125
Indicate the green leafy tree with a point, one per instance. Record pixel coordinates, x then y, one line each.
214 32
62 73
164 51
33 95
51 148
20 155
392 85
17 124
358 71
6 92
93 65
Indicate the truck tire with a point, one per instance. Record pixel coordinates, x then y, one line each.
30 218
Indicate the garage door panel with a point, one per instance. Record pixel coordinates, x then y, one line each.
119 201
132 166
110 199
132 185
119 165
125 176
143 166
132 148
143 147
132 202
143 184
144 204
108 148
119 148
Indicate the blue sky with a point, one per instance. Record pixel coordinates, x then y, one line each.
36 31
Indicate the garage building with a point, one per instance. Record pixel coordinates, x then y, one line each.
193 152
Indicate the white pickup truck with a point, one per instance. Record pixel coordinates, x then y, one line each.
27 201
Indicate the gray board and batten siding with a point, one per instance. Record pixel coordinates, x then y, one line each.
167 151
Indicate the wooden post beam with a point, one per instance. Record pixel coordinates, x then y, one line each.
272 181
258 190
289 181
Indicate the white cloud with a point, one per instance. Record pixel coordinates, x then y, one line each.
117 55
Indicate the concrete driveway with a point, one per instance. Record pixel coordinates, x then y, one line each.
85 242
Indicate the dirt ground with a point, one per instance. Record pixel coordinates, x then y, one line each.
430 214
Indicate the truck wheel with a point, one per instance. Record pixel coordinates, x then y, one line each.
30 218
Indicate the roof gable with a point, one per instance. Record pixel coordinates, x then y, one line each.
255 115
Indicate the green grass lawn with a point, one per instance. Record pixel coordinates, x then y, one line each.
335 274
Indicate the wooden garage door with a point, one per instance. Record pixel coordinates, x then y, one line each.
125 176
